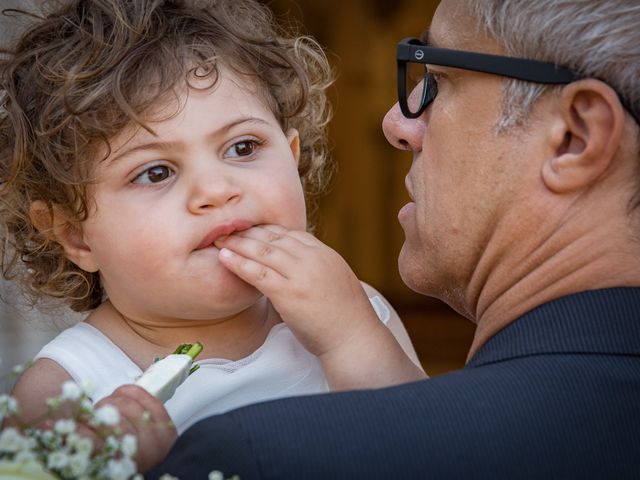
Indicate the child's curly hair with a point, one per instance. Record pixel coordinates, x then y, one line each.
91 68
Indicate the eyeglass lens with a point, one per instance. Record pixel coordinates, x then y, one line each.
420 87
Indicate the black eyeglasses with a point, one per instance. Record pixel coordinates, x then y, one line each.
414 55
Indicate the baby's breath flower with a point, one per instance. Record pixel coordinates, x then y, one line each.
111 444
166 476
107 415
54 403
19 369
86 406
129 446
78 464
48 438
11 441
78 444
8 405
25 457
57 460
64 426
216 475
121 469
87 388
71 391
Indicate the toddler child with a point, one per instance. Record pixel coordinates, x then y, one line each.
155 161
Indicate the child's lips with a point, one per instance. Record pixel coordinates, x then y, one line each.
222 230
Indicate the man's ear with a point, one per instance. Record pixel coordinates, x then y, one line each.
586 136
52 223
294 143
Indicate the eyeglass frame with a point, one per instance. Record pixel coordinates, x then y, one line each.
413 50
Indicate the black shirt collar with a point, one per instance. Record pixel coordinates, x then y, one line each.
595 321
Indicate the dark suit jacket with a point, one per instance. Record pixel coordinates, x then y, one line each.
556 394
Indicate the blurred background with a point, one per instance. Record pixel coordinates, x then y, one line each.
358 215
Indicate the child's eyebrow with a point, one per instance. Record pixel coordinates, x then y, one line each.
155 145
176 145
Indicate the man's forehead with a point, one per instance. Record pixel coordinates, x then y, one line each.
453 27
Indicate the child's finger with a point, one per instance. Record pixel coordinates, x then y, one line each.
276 235
272 255
146 401
260 276
144 416
303 237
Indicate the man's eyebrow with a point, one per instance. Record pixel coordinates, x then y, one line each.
175 145
427 38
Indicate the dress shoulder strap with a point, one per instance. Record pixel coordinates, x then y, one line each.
91 359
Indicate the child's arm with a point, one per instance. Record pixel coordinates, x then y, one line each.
154 431
395 325
40 381
319 297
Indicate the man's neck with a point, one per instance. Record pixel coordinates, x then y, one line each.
571 257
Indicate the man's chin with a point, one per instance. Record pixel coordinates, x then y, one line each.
412 270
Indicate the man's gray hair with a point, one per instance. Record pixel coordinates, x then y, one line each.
596 38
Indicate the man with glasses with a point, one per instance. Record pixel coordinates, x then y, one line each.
522 120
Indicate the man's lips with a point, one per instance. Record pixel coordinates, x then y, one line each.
226 228
407 185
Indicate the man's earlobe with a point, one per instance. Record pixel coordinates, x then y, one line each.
52 223
586 137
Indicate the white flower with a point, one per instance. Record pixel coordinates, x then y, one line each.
121 469
166 476
111 444
82 445
8 405
216 475
65 426
18 369
78 464
107 415
87 388
71 390
129 446
11 441
25 457
58 459
86 406
48 438
54 402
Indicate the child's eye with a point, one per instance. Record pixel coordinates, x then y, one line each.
154 175
242 149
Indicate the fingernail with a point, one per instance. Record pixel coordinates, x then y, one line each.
226 253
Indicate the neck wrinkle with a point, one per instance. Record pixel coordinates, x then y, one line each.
232 338
565 261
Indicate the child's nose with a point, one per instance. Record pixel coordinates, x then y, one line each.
213 191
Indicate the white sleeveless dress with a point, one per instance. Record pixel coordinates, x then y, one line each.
281 367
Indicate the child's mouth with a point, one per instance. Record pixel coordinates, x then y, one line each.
222 230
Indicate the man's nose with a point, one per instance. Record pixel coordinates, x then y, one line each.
401 132
213 189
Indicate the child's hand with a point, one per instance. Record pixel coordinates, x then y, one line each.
145 417
319 297
313 289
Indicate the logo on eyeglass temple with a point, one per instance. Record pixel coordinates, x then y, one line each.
419 55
